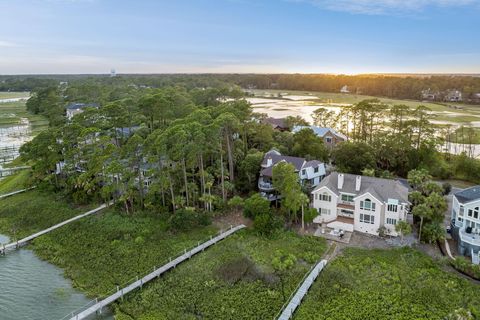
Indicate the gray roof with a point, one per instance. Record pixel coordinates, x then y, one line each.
276 158
319 131
382 189
469 194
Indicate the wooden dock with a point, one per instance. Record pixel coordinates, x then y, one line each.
14 245
99 305
296 300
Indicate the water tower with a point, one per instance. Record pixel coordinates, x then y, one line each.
113 73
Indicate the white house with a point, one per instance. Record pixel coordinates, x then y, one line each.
310 172
360 203
466 221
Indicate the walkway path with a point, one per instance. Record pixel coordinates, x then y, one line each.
14 245
155 274
6 195
302 291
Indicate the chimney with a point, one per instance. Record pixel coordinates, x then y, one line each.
269 162
340 181
358 183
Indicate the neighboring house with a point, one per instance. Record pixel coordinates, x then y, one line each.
466 221
360 203
344 89
453 96
310 172
429 94
330 137
277 124
76 108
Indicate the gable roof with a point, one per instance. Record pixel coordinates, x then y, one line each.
276 123
276 158
319 131
383 189
469 194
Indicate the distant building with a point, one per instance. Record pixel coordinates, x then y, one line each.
113 73
360 203
466 222
453 96
277 124
344 89
310 172
330 136
429 94
76 108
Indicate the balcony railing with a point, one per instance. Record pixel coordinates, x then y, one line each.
470 238
262 185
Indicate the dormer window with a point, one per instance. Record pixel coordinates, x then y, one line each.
315 170
304 172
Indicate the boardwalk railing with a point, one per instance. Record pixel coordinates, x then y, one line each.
96 306
6 195
287 310
5 172
14 245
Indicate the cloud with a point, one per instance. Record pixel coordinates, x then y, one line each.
380 7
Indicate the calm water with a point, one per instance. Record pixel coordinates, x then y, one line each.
33 289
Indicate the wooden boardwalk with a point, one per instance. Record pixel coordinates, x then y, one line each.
14 245
99 305
302 291
6 195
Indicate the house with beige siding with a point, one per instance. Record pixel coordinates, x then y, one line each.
360 203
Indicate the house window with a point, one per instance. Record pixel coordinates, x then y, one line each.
347 198
473 213
328 139
367 205
392 207
391 221
367 218
323 211
315 170
304 172
326 197
316 196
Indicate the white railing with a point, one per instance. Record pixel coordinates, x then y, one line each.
96 305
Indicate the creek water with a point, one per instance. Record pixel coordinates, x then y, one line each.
30 288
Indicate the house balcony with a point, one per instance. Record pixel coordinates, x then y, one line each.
346 205
470 238
265 185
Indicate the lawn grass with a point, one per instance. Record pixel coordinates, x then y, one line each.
232 280
387 284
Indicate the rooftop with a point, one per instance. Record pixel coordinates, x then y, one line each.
319 131
380 188
469 194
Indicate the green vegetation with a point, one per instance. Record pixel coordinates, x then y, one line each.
20 180
234 279
387 284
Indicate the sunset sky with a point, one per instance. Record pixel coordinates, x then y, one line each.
307 36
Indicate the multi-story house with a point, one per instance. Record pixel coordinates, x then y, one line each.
360 203
310 172
453 96
330 136
466 222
